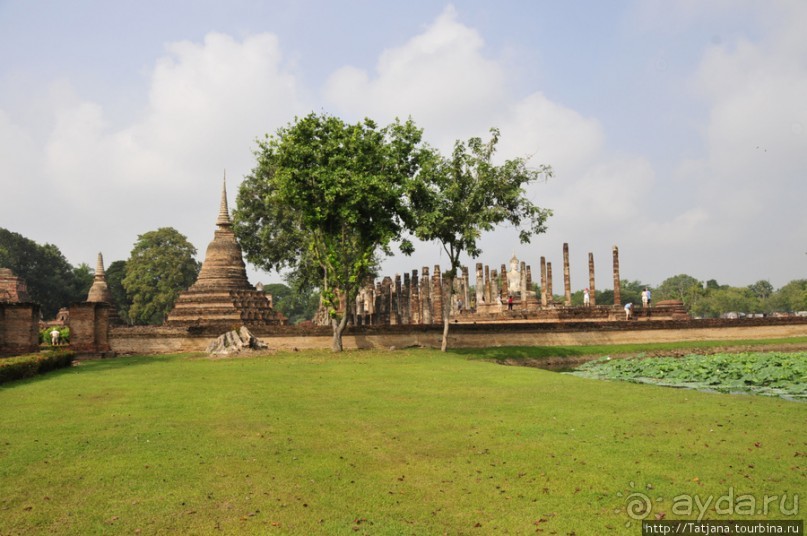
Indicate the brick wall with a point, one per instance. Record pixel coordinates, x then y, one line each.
89 327
156 340
19 328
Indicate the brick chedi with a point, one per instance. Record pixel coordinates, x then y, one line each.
222 296
99 291
12 288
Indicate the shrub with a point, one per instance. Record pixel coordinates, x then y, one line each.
27 366
64 333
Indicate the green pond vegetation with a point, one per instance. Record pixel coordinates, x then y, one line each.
768 373
378 442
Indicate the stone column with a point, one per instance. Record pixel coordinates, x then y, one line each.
426 295
567 281
386 300
414 299
591 292
524 288
395 302
543 282
466 284
617 289
550 298
505 285
406 312
494 286
487 284
369 302
378 308
480 285
359 309
437 295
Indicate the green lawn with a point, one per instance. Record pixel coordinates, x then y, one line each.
405 442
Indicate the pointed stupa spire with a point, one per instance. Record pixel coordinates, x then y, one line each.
99 266
99 291
224 213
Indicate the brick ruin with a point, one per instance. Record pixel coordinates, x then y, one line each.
19 318
12 288
417 298
222 297
99 292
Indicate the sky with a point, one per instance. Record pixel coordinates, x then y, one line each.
676 129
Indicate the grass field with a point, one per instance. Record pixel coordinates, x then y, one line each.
404 442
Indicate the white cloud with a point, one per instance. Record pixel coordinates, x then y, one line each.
550 133
209 100
207 104
440 78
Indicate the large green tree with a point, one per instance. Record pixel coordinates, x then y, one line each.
161 266
456 199
297 304
792 297
681 287
114 280
726 299
325 198
52 281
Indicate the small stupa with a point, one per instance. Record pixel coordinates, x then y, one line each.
99 291
222 296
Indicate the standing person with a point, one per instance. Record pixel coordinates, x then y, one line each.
586 298
510 303
645 298
628 311
55 335
649 301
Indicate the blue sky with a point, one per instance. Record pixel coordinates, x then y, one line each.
677 129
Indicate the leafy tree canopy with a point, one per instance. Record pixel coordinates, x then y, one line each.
324 199
455 199
791 297
680 287
762 289
114 280
161 266
52 281
297 305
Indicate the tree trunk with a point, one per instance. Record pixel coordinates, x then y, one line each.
338 328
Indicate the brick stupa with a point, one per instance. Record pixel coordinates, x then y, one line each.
12 288
99 291
222 296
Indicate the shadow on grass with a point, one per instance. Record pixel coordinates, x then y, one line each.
504 353
558 353
93 366
112 363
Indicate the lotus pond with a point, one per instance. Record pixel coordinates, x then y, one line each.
782 374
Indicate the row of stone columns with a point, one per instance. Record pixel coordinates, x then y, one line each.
547 294
420 300
412 300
